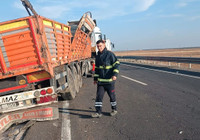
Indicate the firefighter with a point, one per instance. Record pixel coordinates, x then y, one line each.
106 71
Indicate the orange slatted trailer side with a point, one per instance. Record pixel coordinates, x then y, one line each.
19 48
23 50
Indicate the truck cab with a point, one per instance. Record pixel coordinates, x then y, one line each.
97 35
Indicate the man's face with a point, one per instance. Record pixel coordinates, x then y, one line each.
101 47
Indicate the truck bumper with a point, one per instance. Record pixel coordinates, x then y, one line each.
37 113
28 99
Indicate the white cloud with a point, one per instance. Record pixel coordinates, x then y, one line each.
171 16
18 5
101 10
195 18
52 11
116 8
184 3
145 4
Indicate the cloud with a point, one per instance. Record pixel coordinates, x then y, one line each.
18 5
195 18
171 16
101 10
145 5
52 11
116 8
184 3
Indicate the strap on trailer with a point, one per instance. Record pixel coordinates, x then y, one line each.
28 6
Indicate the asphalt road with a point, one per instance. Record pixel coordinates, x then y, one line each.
152 105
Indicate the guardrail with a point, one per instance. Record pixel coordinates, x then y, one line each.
166 59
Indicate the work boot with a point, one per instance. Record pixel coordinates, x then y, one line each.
96 115
113 113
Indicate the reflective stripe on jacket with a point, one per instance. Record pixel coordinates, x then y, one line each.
106 66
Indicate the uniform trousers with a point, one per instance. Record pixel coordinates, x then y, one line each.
101 89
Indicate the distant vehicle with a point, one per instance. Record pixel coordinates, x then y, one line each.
97 35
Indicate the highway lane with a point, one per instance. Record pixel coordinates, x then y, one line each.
178 96
166 106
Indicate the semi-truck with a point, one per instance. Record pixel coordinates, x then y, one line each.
97 35
41 58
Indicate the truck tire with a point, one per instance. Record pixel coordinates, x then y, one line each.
86 70
76 80
79 75
83 68
70 91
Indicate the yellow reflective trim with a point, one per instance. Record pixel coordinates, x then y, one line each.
96 67
38 76
48 23
109 67
96 75
58 26
66 28
104 80
106 67
116 70
117 62
13 25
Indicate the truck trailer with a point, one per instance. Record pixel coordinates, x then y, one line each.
41 58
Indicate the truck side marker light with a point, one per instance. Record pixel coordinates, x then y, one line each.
22 82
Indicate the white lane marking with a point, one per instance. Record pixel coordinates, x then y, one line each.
66 126
134 80
196 77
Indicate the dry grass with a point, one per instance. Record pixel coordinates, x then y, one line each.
186 52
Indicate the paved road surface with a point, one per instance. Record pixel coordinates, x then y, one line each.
152 105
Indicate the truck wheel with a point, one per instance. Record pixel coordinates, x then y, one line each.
83 68
70 91
65 95
79 76
86 70
76 80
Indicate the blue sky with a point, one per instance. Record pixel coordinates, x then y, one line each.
130 24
